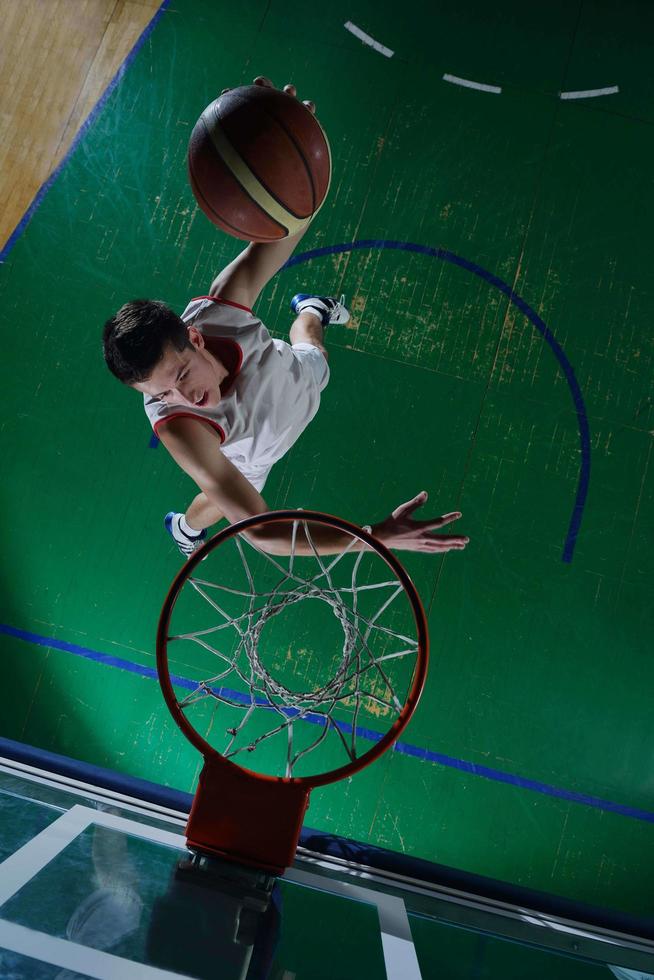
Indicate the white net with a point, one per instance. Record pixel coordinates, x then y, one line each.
295 657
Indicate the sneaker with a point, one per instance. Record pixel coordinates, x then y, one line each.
186 543
329 309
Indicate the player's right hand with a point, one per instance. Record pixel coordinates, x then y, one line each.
401 532
289 89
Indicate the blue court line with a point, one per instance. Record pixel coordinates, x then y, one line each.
535 320
45 187
404 748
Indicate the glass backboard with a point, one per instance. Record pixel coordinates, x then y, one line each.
98 883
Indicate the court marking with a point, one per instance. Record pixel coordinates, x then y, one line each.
397 943
403 748
80 960
547 335
590 93
468 83
367 39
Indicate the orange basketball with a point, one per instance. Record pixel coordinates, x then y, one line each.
259 163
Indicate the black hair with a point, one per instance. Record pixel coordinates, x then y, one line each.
135 338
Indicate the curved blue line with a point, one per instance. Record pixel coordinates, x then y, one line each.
535 320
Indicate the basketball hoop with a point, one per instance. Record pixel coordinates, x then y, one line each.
249 674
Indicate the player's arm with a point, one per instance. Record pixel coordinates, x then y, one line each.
195 446
243 279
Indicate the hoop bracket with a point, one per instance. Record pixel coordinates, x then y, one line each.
239 817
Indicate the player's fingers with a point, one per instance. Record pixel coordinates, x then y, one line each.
446 542
262 80
290 90
311 106
408 508
447 518
434 523
435 548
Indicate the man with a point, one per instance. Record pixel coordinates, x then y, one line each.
227 401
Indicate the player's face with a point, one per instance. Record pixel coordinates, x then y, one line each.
190 377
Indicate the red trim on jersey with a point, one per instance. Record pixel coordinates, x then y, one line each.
189 415
226 302
219 348
239 363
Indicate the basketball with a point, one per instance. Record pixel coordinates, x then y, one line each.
259 163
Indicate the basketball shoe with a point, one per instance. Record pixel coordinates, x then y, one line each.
328 308
186 543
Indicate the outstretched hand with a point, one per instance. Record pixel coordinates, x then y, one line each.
401 532
289 89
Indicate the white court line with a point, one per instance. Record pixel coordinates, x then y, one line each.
400 956
353 29
589 93
467 83
78 959
21 866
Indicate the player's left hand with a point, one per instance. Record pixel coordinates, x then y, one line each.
401 532
288 88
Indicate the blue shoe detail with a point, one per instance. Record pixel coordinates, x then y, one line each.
186 544
328 308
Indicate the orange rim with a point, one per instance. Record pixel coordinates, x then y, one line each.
419 675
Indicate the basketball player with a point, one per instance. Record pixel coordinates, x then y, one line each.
227 401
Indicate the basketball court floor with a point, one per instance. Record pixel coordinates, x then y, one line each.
489 224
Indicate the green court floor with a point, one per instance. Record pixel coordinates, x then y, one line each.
500 359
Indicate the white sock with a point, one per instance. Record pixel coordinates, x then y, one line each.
186 529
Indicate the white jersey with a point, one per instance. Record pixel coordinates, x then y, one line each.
270 395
